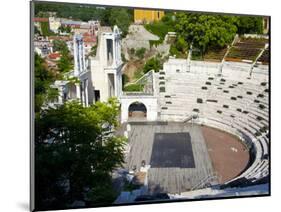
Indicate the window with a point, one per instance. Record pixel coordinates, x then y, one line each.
208 83
97 95
204 88
225 106
225 91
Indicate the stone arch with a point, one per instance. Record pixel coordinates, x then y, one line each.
137 110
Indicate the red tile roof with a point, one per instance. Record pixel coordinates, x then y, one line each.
38 19
54 56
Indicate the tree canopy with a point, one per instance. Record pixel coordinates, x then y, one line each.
206 31
65 63
42 81
75 154
107 16
249 24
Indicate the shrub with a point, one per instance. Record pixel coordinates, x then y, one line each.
132 51
140 53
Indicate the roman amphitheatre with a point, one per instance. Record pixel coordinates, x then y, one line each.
200 129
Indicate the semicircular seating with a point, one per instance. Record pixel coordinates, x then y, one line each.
236 105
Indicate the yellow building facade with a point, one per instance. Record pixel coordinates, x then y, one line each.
144 16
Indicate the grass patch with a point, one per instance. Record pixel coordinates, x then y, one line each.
133 88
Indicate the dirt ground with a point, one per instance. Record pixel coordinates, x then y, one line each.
131 67
229 156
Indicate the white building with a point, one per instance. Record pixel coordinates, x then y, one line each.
54 24
99 81
106 66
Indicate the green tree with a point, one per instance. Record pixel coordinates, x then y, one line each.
43 78
59 45
206 31
153 63
65 63
75 154
120 17
63 29
249 24
179 48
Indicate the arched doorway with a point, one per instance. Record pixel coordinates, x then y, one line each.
137 111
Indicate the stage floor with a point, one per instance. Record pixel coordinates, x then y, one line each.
176 152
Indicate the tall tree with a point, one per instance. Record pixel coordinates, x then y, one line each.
120 17
249 24
206 31
76 152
